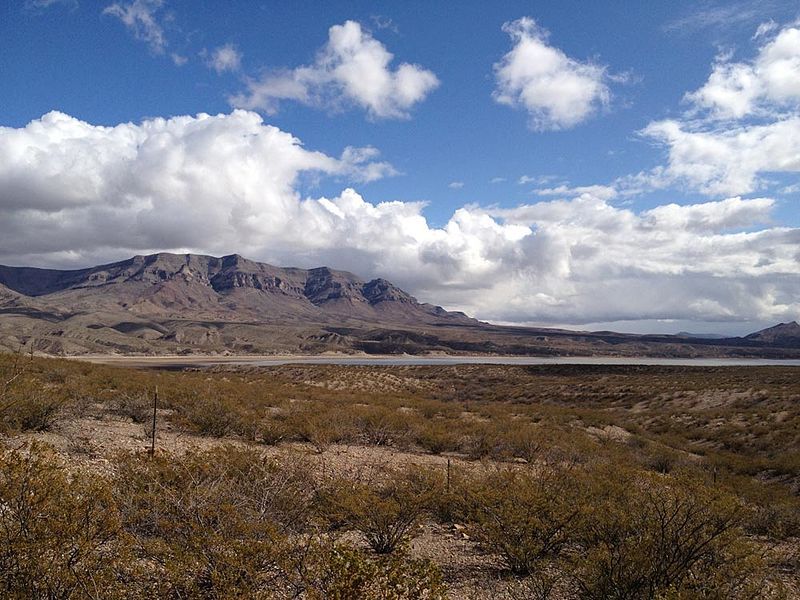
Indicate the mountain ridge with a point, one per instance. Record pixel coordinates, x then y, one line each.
167 303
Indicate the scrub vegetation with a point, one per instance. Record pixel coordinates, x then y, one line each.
573 482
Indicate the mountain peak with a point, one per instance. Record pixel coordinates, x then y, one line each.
782 334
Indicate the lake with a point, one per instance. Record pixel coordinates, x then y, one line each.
262 361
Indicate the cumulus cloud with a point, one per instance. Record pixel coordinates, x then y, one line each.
743 124
353 68
728 160
455 185
73 193
767 84
225 58
140 17
764 85
558 92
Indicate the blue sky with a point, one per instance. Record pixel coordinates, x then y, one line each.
483 133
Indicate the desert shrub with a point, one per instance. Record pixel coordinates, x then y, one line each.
217 523
661 460
26 402
437 436
524 440
320 426
780 520
34 410
381 426
385 510
340 572
449 489
545 583
525 516
273 431
136 406
211 416
204 485
59 532
655 537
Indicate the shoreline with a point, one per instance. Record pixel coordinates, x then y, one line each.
179 361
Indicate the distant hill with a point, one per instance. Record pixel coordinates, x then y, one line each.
783 335
702 336
183 304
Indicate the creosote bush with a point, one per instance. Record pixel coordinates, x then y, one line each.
220 524
26 402
610 532
347 573
59 532
525 515
385 508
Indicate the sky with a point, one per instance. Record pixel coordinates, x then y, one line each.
617 165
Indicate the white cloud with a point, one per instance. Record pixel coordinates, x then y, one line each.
139 16
719 15
538 179
36 5
72 193
728 160
765 28
455 185
497 180
767 84
606 192
558 92
352 68
744 122
225 58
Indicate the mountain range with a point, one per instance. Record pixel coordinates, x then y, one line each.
185 304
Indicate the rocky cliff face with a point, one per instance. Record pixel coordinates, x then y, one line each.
229 287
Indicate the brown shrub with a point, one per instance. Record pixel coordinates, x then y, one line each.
58 531
384 509
651 536
340 572
524 515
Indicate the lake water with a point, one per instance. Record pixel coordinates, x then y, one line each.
508 360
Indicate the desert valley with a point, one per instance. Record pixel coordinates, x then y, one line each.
377 300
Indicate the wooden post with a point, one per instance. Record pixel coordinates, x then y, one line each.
153 439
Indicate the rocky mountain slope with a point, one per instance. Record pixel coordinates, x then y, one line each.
169 299
783 334
169 303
